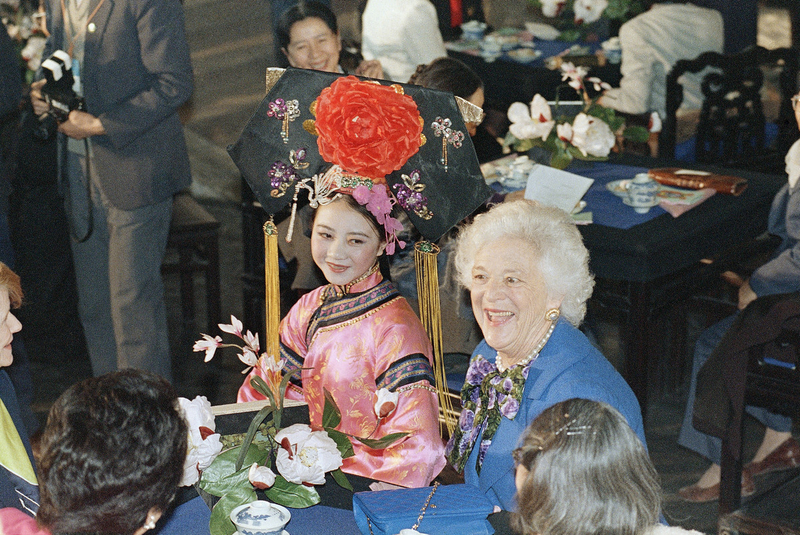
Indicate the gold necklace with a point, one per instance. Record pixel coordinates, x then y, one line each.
421 513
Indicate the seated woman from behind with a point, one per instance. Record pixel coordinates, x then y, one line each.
581 470
112 457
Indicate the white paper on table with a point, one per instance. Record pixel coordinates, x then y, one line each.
556 187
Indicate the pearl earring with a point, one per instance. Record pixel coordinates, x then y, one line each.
150 524
552 314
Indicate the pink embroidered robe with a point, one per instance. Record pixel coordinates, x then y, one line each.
352 346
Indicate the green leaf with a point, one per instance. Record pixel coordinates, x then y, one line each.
343 443
286 378
560 161
292 494
383 442
261 386
251 432
220 523
331 415
636 133
222 475
341 479
570 35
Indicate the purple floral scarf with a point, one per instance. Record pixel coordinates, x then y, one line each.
488 395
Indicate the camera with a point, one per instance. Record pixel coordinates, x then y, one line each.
58 93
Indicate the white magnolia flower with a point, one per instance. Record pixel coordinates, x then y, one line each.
654 124
235 327
551 8
592 136
248 358
261 477
203 445
209 345
272 364
588 11
32 53
536 123
386 403
598 83
574 74
252 341
305 455
564 132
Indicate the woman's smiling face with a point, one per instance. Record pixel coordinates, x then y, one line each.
313 45
509 297
344 244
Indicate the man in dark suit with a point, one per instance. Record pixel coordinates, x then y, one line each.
121 161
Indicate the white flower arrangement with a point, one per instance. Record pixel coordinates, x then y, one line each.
590 135
204 444
301 456
573 17
24 22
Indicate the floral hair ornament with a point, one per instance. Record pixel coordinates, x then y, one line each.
372 140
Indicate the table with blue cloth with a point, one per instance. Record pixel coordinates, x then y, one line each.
510 79
191 518
644 263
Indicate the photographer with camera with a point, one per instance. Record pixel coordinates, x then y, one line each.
121 162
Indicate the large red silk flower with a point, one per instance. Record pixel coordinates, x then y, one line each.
366 128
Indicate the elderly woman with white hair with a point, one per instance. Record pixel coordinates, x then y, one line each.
527 270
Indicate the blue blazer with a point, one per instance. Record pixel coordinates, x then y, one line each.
568 367
136 72
14 491
782 273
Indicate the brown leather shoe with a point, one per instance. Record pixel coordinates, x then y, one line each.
697 494
785 457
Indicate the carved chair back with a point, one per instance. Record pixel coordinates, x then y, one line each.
731 128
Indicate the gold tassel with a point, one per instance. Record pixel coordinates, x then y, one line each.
430 312
272 290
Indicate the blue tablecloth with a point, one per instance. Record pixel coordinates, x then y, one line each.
607 209
191 518
546 47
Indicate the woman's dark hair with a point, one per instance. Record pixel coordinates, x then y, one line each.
361 209
447 74
299 12
113 448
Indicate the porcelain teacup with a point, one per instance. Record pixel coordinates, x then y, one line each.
642 193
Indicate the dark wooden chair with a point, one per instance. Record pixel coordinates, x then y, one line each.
771 380
731 129
193 247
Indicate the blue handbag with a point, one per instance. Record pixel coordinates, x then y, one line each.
451 510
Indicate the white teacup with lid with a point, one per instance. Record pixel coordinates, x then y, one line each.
260 518
642 193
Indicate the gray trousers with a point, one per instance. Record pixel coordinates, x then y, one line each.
709 446
118 272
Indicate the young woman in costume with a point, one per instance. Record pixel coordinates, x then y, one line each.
356 337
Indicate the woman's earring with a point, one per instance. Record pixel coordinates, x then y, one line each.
552 314
150 524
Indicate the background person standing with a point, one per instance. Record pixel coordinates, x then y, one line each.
122 160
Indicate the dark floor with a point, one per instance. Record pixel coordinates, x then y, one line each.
231 44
